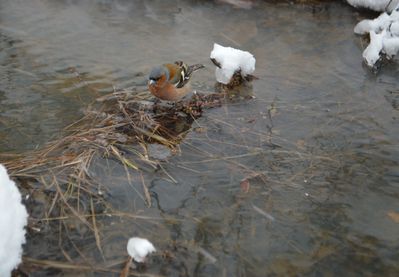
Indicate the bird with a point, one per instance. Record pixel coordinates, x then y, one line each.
171 81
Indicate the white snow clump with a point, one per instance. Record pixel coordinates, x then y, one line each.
376 5
376 25
384 36
231 60
13 218
372 52
139 248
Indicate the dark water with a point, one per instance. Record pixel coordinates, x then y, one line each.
301 180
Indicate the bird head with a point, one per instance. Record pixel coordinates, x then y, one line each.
158 73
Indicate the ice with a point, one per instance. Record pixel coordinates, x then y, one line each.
13 219
231 60
139 248
376 5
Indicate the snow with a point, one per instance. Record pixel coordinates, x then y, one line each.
372 53
231 60
391 46
376 5
384 36
394 28
376 25
13 219
139 248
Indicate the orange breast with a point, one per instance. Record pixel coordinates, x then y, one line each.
169 92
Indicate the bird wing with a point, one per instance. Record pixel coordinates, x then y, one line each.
180 73
175 73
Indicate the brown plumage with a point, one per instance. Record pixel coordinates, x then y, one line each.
171 82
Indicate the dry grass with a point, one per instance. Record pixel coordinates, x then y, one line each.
61 169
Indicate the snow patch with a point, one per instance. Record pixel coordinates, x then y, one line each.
376 25
139 248
391 46
384 36
13 219
372 53
376 5
231 60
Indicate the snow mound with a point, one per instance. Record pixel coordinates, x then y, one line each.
384 36
231 60
13 218
376 5
376 25
139 248
372 53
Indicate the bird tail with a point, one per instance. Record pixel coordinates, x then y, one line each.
188 70
194 67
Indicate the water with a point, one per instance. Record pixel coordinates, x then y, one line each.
301 180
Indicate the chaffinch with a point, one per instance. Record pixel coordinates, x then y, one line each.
171 82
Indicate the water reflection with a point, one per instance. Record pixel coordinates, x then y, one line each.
322 130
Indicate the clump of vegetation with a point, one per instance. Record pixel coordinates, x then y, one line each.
60 172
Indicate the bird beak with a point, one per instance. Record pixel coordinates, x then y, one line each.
151 82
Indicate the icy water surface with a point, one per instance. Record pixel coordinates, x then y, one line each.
301 180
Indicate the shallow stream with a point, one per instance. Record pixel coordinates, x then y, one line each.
303 179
